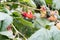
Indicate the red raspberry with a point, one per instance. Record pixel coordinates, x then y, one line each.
30 15
24 14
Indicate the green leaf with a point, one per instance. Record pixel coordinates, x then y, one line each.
31 3
14 6
16 14
49 2
26 0
3 10
9 34
56 4
40 2
24 29
42 34
12 0
55 33
24 22
2 37
41 22
28 3
18 39
6 21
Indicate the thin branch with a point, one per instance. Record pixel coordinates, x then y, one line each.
21 5
19 32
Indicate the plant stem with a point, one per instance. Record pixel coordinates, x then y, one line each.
31 8
19 32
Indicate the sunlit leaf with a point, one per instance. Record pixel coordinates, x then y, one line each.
6 20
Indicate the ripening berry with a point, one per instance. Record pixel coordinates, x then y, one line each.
54 12
24 14
52 18
58 25
43 11
9 27
30 15
51 12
